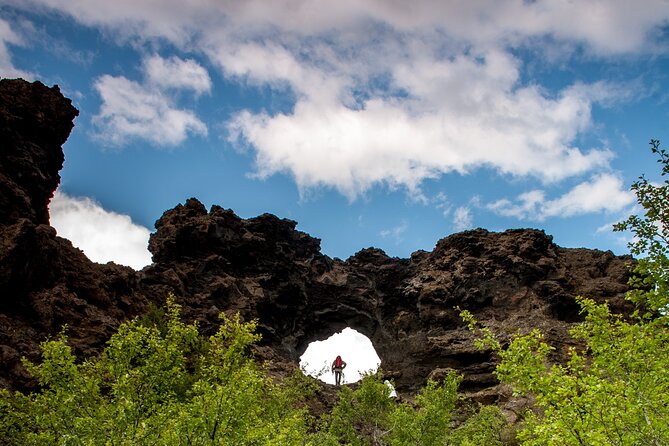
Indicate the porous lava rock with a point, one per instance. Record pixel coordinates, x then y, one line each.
45 282
265 269
35 121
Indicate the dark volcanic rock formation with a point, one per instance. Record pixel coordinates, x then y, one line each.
215 261
264 268
34 122
44 281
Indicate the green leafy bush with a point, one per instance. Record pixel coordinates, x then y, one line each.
158 382
615 391
157 386
367 416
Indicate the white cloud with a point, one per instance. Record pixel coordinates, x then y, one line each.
460 112
9 37
441 203
104 236
177 73
147 110
527 205
131 110
396 232
386 92
462 218
605 228
603 193
517 132
614 26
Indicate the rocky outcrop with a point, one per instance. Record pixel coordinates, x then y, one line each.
45 282
35 121
265 269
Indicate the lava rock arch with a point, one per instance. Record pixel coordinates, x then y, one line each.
264 269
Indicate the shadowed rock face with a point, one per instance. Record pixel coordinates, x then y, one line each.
44 281
34 122
262 267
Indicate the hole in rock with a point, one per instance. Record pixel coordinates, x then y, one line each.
355 349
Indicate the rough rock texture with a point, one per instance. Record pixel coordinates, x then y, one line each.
515 280
262 267
44 281
34 122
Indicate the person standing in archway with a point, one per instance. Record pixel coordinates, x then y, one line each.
338 366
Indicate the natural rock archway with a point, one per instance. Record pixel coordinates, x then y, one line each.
356 349
263 268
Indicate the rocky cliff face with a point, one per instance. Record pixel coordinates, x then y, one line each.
262 267
44 281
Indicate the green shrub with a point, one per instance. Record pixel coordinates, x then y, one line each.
157 386
615 391
367 416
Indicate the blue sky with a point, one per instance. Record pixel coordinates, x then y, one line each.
370 123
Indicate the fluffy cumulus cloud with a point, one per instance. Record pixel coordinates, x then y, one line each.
145 110
396 233
603 193
104 236
177 73
9 37
513 132
388 93
612 26
462 218
129 110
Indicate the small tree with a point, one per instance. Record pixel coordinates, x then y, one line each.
651 240
368 416
155 385
430 421
615 391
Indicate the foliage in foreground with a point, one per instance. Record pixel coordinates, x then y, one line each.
616 390
163 384
154 386
367 416
158 382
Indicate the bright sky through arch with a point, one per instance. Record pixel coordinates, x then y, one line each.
370 123
355 349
